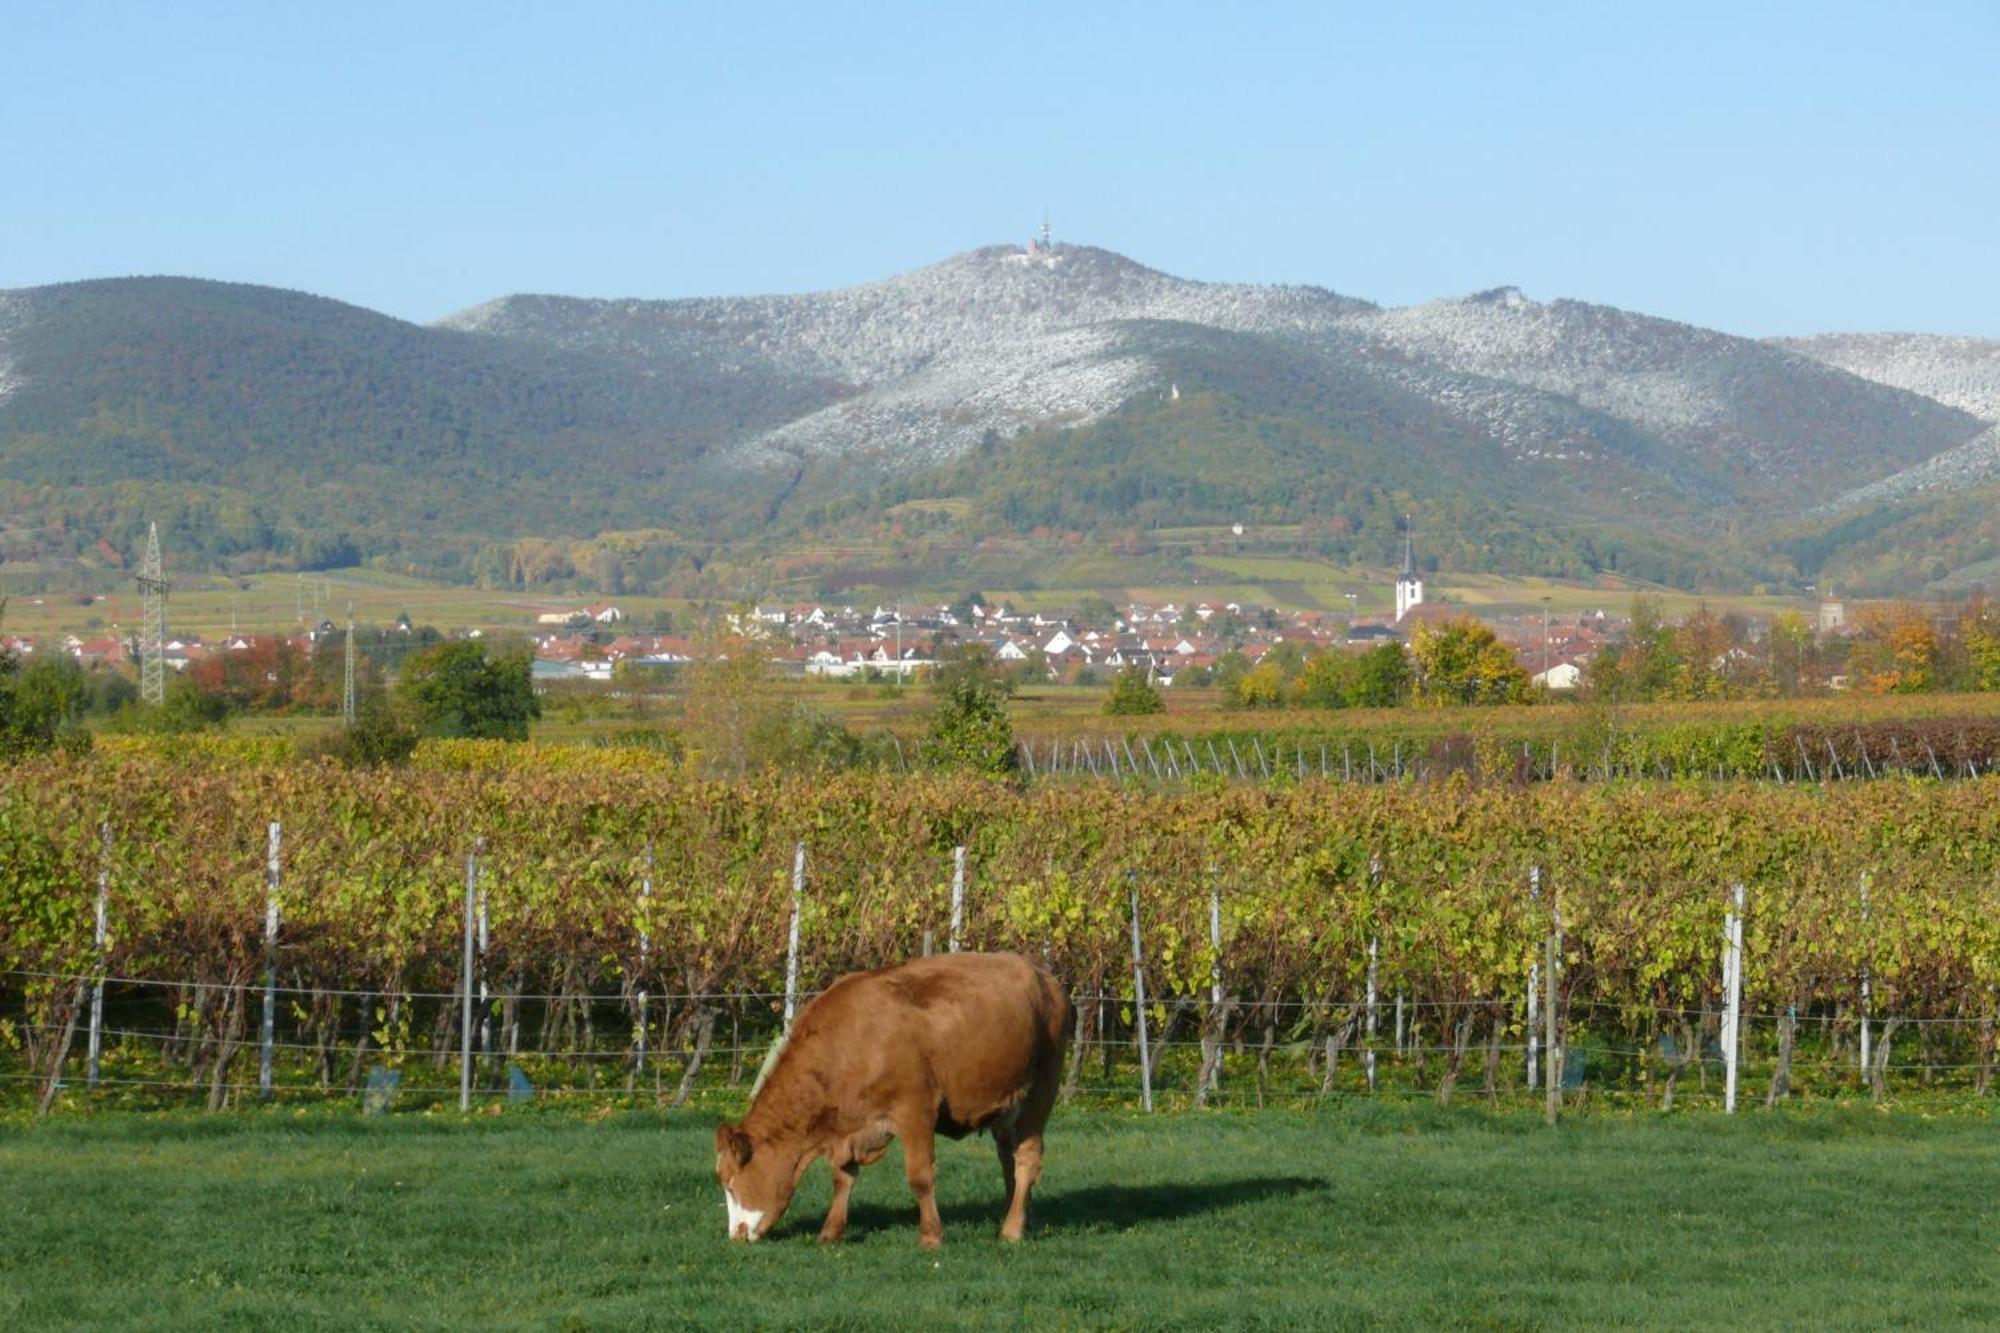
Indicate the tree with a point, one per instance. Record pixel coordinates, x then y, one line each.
1896 650
1262 686
1791 639
1229 668
1647 665
41 706
1464 662
1381 677
1327 680
969 728
459 689
1132 694
973 664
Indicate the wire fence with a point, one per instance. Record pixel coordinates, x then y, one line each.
158 1042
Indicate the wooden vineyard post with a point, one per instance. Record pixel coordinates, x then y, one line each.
465 977
1139 1008
100 937
1534 978
1552 1051
269 1028
1732 983
792 939
957 895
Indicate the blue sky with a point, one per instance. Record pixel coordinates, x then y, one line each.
1758 168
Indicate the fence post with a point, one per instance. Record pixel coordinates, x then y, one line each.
1552 1052
645 948
1865 979
1368 1055
484 1039
792 942
1534 977
1212 1054
465 976
100 936
957 895
1139 1007
1732 980
270 963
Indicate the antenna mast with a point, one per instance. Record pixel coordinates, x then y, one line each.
153 623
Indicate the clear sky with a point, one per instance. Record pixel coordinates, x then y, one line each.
1761 168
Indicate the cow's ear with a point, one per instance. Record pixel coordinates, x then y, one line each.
733 1144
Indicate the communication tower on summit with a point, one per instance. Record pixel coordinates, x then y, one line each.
153 623
1048 235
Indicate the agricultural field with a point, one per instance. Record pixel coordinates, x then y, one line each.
1379 1217
269 603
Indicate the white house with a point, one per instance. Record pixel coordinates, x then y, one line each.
1561 676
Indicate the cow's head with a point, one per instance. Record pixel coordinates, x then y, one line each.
756 1182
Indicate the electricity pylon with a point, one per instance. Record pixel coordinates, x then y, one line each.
347 684
153 623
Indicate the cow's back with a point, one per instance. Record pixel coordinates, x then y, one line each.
977 1028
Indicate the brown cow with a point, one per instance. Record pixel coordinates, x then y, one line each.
947 1045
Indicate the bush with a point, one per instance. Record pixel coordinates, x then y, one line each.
1132 695
380 735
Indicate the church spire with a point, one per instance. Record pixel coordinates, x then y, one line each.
1409 588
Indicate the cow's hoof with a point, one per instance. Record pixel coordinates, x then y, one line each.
931 1242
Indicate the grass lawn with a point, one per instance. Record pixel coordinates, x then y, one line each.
1354 1216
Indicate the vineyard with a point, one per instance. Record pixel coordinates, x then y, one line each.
1294 940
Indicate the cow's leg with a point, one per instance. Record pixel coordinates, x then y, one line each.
1027 1170
918 1133
1027 1139
844 1175
1003 1145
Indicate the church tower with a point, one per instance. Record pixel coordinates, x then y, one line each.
1409 588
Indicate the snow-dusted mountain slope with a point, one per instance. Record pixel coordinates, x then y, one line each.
1774 418
1958 372
1970 464
964 307
916 369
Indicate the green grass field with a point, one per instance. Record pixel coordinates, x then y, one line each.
1356 1216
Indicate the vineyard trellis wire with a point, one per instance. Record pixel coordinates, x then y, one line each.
1857 753
1286 931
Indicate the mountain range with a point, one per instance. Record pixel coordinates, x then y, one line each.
1007 392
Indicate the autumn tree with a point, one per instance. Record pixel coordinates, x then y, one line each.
1463 661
